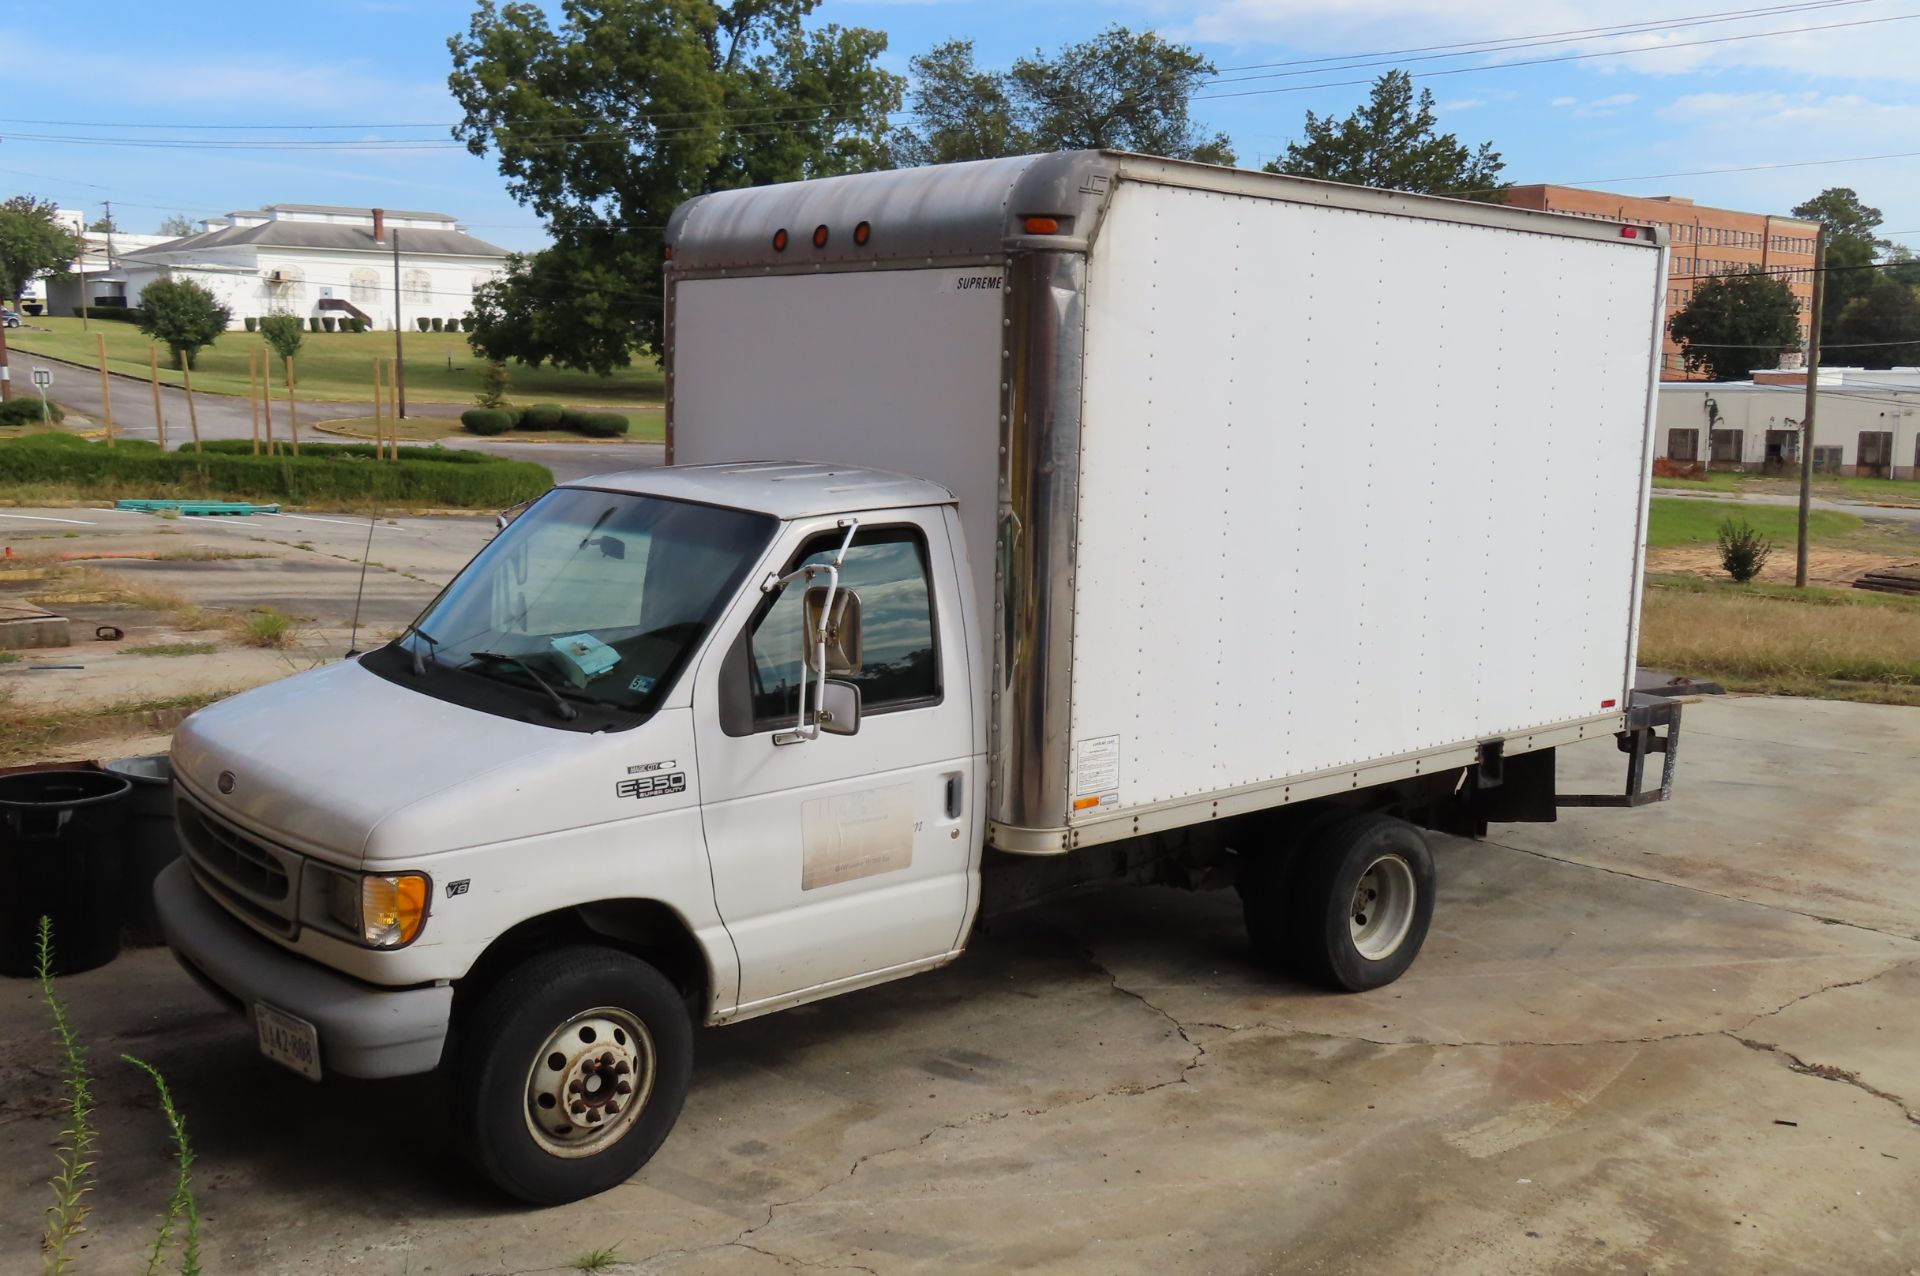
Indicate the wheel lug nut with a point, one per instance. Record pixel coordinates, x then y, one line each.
606 1060
613 1107
620 1069
575 1088
623 1088
593 1118
578 1108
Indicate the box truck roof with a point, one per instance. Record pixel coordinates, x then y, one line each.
984 209
784 489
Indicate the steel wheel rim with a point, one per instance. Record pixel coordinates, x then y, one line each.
1382 909
589 1082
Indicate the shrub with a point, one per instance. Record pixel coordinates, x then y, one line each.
1743 551
322 473
542 416
438 323
601 425
252 322
268 627
313 323
119 314
422 323
359 325
453 324
329 322
26 411
281 332
494 379
486 421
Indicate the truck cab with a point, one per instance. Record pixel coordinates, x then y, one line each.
617 687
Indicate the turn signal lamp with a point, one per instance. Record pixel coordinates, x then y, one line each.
1043 226
392 909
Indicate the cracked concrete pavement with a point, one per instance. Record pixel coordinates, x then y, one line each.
1674 1039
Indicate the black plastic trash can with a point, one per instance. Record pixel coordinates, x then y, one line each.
60 857
151 843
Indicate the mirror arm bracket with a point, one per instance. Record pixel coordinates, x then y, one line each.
803 730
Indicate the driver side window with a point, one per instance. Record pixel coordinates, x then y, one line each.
900 666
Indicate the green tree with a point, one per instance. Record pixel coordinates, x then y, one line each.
1119 90
177 226
964 113
1880 329
31 241
1852 246
606 122
283 334
183 316
1736 323
102 225
1392 143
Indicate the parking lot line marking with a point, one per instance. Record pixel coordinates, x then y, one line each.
36 518
309 518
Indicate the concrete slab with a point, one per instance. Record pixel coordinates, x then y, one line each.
1589 1070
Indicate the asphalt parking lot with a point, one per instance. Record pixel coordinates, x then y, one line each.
1677 1039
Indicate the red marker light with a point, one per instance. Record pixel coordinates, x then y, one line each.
1608 704
862 233
819 236
1629 232
780 241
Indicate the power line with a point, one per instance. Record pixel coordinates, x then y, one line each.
1565 57
1706 172
1604 33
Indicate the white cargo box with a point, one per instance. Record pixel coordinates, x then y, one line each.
1278 488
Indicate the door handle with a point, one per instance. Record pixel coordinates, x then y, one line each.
955 792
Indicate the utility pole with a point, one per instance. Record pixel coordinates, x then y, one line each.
1813 401
399 349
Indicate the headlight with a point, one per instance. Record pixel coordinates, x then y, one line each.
379 911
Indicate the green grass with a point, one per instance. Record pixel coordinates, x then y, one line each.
642 427
1718 481
596 1260
335 367
1829 487
268 627
1683 522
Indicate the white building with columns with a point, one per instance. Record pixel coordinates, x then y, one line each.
319 260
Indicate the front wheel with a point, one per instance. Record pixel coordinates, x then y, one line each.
570 1073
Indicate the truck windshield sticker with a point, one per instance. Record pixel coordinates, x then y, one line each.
854 835
1096 772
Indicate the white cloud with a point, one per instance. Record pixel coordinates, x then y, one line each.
1462 104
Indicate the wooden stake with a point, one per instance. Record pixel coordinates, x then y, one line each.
106 396
159 419
379 426
393 421
293 409
193 417
266 396
253 395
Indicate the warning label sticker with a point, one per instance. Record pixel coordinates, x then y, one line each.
1096 773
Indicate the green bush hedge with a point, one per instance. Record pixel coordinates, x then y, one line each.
252 322
26 411
541 416
430 452
486 421
322 472
119 314
597 425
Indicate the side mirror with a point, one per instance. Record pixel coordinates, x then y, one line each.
840 708
843 630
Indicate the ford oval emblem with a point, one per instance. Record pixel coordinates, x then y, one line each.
225 781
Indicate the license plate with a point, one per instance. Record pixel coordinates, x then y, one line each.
288 1040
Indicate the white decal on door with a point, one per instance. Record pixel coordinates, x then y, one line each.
1096 772
854 835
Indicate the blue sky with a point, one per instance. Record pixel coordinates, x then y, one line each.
1672 107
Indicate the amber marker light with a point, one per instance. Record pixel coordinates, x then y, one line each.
1043 226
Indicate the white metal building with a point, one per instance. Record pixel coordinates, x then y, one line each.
317 259
1867 423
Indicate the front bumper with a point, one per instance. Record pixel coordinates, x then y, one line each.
365 1031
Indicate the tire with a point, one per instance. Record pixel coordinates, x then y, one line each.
1268 886
608 1020
1355 944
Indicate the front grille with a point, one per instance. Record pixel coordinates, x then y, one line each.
252 877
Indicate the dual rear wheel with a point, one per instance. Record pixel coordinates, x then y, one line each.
1346 904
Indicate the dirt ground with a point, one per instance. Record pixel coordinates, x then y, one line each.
1835 567
1679 1039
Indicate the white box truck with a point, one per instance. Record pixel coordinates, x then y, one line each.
1028 523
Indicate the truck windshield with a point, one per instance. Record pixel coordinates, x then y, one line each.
583 611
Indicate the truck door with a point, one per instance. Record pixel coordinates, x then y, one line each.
842 857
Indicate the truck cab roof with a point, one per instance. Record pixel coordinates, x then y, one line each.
784 489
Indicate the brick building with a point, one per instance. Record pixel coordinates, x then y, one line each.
1703 241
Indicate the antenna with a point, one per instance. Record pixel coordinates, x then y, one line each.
353 640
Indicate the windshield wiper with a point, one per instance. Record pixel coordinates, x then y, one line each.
419 665
567 712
